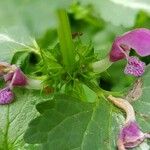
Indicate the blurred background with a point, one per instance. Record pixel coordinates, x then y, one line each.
99 22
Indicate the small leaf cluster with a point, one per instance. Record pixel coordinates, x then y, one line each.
55 76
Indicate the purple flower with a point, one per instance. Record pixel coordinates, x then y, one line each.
139 40
130 135
16 78
6 96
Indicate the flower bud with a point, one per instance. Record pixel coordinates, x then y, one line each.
4 68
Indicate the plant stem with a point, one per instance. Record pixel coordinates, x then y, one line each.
102 65
66 42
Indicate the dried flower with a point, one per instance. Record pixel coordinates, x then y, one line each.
130 135
6 96
139 40
4 68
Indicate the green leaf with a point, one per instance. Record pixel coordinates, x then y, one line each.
9 46
80 91
67 123
118 13
142 105
143 20
34 16
136 4
19 58
26 19
14 118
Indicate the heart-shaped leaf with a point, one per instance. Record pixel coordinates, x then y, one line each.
67 123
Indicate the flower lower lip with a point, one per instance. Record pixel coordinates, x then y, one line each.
6 96
135 67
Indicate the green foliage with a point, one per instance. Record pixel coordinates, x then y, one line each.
52 68
15 117
28 14
142 104
79 115
72 124
118 14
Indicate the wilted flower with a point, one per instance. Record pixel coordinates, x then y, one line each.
130 135
6 96
4 68
139 40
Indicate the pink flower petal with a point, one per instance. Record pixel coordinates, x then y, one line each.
17 77
138 39
131 135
